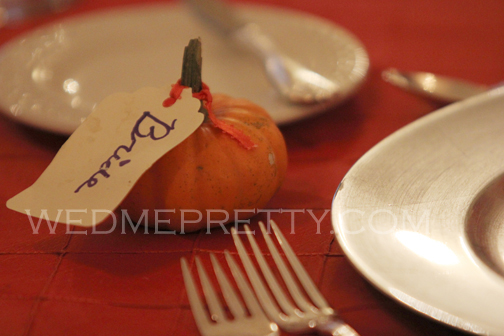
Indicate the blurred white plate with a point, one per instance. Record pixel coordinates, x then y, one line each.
421 215
52 78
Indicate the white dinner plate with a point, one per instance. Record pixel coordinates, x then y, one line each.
421 215
52 78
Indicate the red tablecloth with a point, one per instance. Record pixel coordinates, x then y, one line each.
131 284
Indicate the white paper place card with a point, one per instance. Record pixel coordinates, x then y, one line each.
99 164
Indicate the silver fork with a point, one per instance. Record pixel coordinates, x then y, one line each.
306 316
253 323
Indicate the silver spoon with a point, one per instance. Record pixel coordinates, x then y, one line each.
293 81
440 88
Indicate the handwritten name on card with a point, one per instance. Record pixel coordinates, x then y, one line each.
99 164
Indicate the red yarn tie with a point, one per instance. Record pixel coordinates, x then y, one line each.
205 96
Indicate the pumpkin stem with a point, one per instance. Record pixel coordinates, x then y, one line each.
191 77
191 66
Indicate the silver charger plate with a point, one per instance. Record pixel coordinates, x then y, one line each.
421 215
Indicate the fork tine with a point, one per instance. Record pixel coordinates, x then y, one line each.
234 304
263 295
298 268
199 313
277 291
294 290
214 306
246 291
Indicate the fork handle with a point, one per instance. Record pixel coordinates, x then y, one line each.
335 326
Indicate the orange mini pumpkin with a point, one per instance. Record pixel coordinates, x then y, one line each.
210 178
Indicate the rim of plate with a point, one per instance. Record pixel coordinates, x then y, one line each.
20 97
